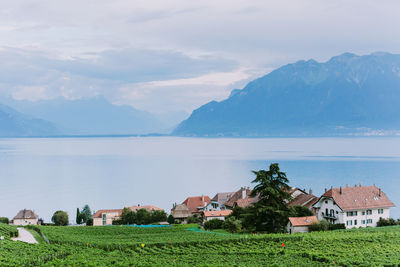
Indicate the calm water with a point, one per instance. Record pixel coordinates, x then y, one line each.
65 173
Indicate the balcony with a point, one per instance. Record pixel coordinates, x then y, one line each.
329 216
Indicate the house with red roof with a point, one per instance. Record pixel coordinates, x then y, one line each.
216 214
300 224
197 204
358 206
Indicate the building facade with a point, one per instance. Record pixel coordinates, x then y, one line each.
358 206
25 217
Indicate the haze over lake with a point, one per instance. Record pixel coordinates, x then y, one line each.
49 174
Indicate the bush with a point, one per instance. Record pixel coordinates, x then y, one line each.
319 226
4 220
213 224
193 219
386 222
337 226
232 225
60 218
171 219
89 222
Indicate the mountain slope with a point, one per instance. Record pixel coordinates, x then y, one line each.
349 94
92 116
15 124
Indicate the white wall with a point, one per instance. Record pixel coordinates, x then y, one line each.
25 221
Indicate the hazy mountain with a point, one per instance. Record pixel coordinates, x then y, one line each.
349 94
15 124
96 116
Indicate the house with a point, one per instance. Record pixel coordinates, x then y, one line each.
241 198
218 201
25 217
180 212
216 214
358 206
197 204
106 217
301 198
300 224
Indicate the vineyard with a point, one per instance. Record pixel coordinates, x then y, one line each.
178 246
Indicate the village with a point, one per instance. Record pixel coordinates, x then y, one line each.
347 206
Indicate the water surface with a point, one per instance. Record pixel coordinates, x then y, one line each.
49 174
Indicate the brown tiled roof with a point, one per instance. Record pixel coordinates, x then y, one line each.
180 211
303 221
25 214
360 197
221 198
236 196
245 202
304 200
217 213
193 203
147 207
100 212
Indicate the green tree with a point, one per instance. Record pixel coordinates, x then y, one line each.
299 211
4 220
158 216
171 219
86 213
194 219
143 217
60 218
232 225
78 217
270 213
128 216
213 224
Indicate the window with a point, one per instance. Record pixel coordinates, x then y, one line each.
337 212
326 212
355 222
355 213
369 221
363 213
326 202
369 212
380 211
352 213
363 221
349 222
104 218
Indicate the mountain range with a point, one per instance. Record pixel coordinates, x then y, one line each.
347 95
90 116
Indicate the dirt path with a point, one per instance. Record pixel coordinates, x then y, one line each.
25 236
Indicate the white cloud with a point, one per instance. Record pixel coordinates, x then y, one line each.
180 49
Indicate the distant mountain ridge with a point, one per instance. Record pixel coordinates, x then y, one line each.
347 95
96 116
16 124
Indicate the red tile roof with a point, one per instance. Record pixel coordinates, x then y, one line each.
245 202
360 197
304 199
193 203
100 212
236 196
303 221
217 213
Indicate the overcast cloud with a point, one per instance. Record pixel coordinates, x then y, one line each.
176 55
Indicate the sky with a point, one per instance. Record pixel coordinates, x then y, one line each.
167 56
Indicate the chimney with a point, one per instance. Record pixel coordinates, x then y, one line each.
244 192
360 184
310 192
202 198
340 190
380 192
347 185
325 190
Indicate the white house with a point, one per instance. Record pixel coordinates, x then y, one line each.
218 201
25 217
300 224
358 206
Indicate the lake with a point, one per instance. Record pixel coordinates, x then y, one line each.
49 174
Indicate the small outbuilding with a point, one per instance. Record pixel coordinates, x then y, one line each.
216 214
25 217
300 224
180 212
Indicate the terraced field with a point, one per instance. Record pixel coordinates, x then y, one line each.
128 246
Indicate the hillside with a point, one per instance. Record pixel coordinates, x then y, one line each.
16 124
347 95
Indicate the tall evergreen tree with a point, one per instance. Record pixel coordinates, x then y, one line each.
78 217
270 213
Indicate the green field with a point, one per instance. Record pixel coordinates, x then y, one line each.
123 246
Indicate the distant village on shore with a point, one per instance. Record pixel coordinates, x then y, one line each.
353 207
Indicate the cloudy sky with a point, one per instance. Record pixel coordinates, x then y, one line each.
176 55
